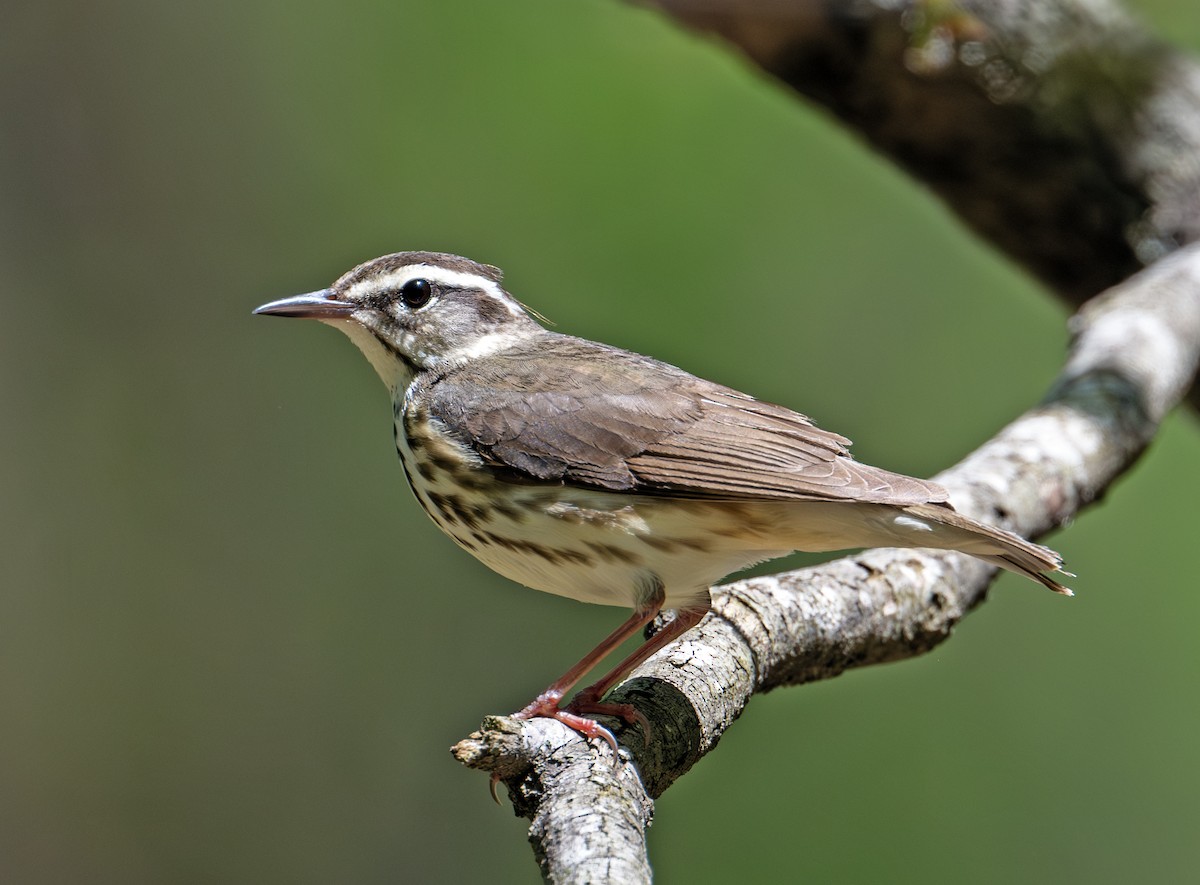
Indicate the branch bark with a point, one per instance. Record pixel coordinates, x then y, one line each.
1133 358
1059 130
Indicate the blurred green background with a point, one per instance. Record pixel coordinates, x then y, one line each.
232 649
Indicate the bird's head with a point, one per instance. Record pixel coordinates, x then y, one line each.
412 312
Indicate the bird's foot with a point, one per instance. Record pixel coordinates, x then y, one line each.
588 701
546 706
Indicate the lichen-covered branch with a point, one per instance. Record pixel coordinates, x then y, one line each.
1059 130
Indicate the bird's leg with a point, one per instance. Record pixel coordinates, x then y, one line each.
546 704
588 700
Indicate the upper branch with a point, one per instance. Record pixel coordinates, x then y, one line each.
1059 130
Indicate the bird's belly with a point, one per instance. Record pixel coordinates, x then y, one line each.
618 549
593 546
613 549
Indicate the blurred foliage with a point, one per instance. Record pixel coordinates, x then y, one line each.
231 647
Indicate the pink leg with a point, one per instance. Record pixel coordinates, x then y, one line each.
546 704
589 699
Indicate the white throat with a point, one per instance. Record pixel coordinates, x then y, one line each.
393 371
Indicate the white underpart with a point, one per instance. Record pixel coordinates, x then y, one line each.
394 373
401 275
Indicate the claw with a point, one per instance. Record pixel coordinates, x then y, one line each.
589 728
628 712
547 707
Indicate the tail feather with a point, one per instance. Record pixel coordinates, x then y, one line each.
997 546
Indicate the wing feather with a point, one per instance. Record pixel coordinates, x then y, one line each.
568 410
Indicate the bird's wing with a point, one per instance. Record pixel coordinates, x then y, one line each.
575 411
744 448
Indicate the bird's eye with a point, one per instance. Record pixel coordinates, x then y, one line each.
416 293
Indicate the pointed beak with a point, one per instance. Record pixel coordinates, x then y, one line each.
320 305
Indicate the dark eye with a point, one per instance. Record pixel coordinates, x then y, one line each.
416 293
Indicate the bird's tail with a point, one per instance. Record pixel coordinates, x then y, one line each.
997 546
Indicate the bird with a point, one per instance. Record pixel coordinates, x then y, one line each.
584 470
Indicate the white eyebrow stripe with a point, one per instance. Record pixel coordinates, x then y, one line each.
396 278
485 345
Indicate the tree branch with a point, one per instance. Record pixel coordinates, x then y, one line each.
1059 130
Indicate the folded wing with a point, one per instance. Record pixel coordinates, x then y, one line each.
575 411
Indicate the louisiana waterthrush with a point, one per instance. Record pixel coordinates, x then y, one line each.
595 473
